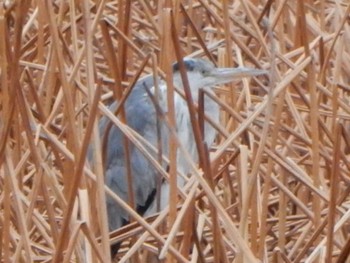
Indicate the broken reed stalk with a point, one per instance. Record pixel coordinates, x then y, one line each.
55 59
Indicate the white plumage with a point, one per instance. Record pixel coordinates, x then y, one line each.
141 115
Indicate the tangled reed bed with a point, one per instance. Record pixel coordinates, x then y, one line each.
277 186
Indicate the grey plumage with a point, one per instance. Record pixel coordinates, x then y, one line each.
142 117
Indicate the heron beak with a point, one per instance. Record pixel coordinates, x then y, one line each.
224 75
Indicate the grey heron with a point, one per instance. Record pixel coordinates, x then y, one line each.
141 116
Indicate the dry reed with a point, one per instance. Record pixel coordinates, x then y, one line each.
275 186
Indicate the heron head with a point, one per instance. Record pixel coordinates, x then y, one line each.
203 74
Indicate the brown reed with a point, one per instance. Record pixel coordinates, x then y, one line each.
274 187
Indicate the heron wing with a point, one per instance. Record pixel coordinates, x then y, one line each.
141 116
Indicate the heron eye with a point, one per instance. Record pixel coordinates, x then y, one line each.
204 72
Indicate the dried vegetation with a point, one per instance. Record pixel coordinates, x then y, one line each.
277 187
